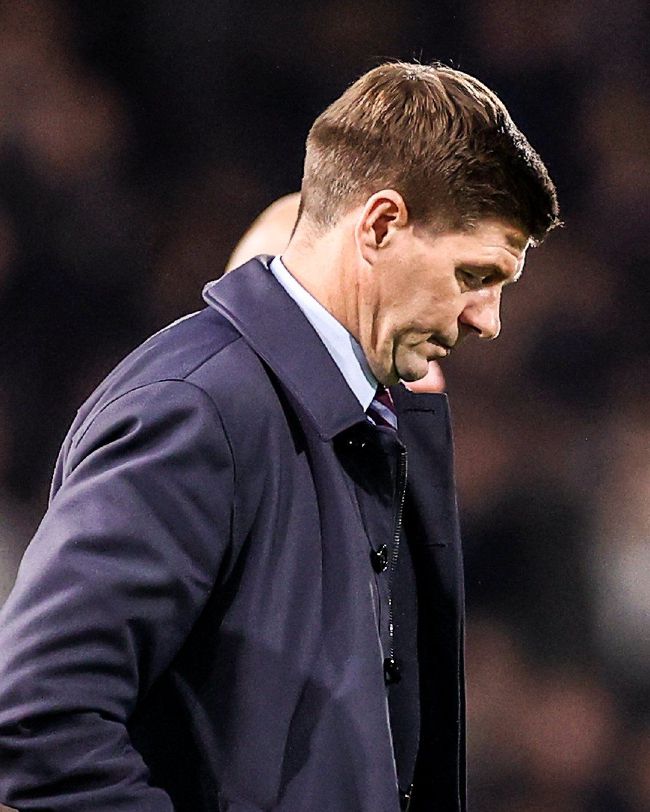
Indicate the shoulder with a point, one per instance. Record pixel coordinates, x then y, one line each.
201 358
174 353
182 351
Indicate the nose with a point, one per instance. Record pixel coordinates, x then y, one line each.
482 312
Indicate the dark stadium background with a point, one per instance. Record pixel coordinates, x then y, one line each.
137 142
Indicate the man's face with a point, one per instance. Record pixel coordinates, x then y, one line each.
426 292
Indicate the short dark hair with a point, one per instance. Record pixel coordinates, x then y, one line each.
438 136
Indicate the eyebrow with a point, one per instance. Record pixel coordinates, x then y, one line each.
515 241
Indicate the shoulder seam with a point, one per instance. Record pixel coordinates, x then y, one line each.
214 408
130 391
180 379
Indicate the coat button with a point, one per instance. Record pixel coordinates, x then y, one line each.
379 559
392 671
405 799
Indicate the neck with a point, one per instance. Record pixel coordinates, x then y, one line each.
322 264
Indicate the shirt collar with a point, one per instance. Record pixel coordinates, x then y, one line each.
345 350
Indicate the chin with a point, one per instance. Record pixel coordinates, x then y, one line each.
413 372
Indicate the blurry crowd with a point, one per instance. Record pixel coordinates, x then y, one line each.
137 142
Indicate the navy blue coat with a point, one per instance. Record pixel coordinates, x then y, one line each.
197 625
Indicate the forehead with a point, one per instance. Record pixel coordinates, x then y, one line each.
496 232
488 240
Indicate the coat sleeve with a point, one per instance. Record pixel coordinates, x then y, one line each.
108 590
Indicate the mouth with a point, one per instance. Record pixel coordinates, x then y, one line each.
438 352
444 346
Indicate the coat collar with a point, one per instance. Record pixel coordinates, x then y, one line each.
278 332
276 329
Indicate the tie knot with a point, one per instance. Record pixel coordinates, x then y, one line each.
383 396
382 409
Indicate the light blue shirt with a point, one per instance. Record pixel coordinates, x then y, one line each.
345 350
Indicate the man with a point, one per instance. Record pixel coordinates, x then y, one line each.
247 591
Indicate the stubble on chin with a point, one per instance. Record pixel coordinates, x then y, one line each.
382 365
411 366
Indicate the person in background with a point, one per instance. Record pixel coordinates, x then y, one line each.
269 233
247 591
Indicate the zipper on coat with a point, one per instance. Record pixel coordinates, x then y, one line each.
391 668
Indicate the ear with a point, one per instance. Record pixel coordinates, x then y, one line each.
383 215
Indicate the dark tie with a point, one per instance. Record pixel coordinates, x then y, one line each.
382 409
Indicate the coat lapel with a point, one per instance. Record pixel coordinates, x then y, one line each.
425 428
275 327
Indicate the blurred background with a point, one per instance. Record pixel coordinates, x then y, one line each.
139 139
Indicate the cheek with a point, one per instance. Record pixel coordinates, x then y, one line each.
426 309
438 311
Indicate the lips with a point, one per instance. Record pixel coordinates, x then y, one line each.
441 350
443 345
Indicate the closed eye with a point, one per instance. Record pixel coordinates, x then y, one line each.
474 280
